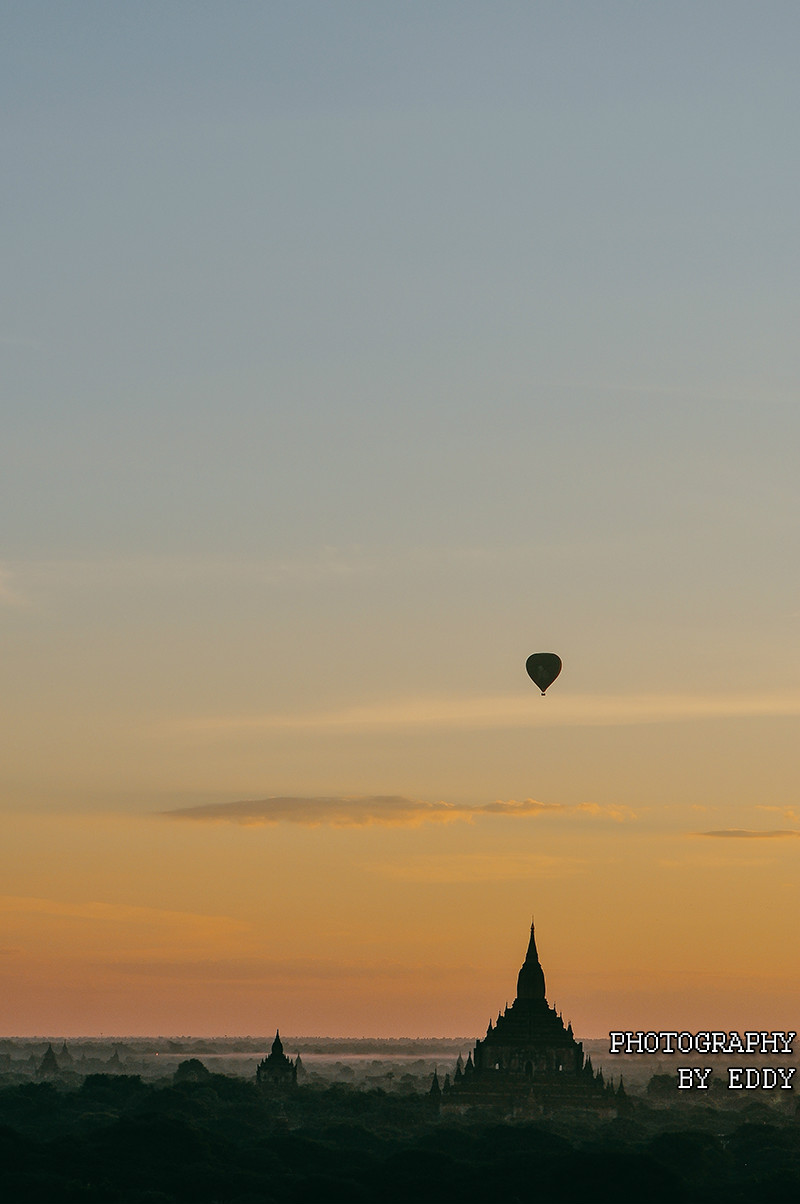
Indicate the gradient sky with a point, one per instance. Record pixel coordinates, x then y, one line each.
352 352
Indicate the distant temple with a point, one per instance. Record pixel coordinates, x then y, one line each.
277 1070
527 1052
48 1067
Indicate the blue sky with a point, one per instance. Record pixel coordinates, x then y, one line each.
401 339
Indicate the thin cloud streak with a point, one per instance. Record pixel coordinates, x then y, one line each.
508 711
751 834
790 813
383 810
529 806
387 810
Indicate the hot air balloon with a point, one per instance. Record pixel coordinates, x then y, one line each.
543 668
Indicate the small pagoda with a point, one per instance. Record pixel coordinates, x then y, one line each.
276 1070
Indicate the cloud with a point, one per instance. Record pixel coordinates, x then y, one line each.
790 813
750 834
523 710
529 806
384 810
389 810
525 806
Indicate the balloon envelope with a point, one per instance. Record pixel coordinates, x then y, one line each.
543 668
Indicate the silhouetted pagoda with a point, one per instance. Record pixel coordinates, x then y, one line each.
277 1070
529 1054
48 1067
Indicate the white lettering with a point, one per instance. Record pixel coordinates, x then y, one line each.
688 1074
670 1041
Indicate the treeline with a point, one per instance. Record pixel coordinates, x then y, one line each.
213 1138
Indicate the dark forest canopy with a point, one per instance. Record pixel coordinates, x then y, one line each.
207 1138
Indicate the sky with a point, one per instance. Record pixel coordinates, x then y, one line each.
352 352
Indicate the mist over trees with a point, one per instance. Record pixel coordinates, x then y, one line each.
197 1137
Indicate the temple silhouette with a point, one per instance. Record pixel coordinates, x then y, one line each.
528 1054
277 1071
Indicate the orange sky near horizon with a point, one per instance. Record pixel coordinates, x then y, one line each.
417 929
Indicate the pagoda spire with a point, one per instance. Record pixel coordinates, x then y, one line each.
530 983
